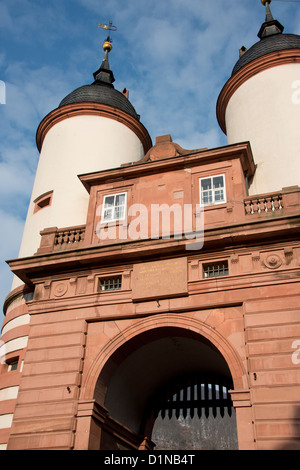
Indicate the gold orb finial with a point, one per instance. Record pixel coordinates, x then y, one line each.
107 46
265 1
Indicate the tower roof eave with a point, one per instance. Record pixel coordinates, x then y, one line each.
248 70
89 108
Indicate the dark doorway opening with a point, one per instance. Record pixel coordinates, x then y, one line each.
169 378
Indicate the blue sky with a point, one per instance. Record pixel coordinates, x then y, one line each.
174 56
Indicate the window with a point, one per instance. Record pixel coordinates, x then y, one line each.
110 283
217 269
42 201
212 190
13 365
114 207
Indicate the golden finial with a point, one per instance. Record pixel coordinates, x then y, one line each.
107 46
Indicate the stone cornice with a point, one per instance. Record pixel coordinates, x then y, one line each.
259 231
195 157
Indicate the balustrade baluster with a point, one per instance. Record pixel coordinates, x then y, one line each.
255 206
65 238
59 238
269 204
72 236
77 236
261 205
248 207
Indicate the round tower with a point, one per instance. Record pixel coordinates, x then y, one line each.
260 103
94 128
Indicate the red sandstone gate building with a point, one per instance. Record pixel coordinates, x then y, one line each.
109 310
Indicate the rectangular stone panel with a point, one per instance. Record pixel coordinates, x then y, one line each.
276 394
45 441
160 279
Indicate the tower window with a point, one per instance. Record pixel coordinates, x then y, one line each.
212 190
114 207
110 283
43 201
13 365
217 269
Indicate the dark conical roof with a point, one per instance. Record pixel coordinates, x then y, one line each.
101 90
272 39
100 94
279 42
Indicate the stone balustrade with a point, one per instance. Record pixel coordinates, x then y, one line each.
69 237
54 239
282 203
265 203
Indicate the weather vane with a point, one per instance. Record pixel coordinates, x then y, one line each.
110 27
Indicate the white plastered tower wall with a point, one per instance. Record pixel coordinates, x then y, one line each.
260 103
74 146
266 111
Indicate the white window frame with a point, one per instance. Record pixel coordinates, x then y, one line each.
213 202
113 219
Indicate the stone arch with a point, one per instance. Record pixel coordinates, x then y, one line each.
185 322
107 368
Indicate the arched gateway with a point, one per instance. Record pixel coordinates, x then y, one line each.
171 367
